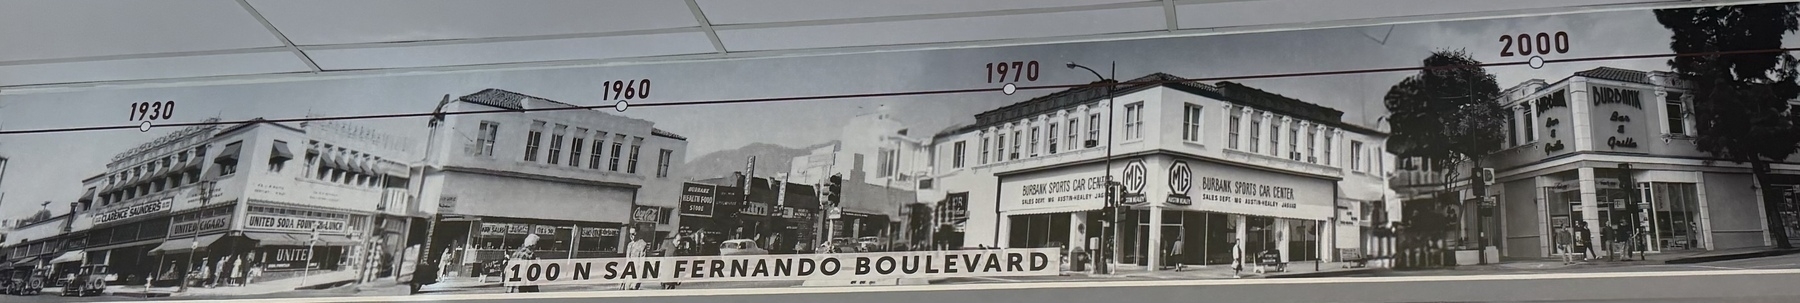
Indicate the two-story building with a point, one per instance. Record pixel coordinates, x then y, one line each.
1202 168
1584 147
882 167
583 180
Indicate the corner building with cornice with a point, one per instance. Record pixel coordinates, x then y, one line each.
1199 165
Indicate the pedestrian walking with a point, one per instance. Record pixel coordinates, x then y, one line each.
636 252
1237 257
1586 236
1565 244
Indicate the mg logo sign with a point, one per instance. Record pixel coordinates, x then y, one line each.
1181 179
1136 176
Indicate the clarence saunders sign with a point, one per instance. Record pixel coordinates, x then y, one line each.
938 264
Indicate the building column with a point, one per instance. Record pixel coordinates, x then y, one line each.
1077 231
1244 127
1005 231
1590 206
1281 239
1154 246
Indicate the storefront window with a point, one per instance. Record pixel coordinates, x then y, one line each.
1676 219
1039 231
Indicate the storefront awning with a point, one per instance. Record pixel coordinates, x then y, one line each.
1360 192
1055 210
26 262
184 244
328 240
73 256
229 156
281 153
274 239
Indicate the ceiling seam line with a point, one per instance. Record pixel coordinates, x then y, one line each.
937 16
578 63
314 65
465 41
233 51
1169 13
705 25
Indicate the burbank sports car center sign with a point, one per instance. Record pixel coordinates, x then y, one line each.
859 266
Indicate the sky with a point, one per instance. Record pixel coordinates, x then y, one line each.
50 167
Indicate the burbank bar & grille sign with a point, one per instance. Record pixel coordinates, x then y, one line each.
860 266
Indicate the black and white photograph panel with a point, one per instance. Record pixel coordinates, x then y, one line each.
1489 160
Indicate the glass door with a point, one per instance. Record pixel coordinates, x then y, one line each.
1673 218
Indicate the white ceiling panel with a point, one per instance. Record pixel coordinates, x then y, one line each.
512 51
1252 13
946 30
51 29
151 68
763 11
318 22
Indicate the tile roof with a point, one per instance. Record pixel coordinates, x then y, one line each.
1233 92
1617 74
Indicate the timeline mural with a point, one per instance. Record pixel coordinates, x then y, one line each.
1320 152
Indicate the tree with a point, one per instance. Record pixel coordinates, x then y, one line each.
1447 114
1740 100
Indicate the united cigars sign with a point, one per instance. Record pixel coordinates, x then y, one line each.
861 266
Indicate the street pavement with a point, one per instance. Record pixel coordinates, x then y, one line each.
1768 279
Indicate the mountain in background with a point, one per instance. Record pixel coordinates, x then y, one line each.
770 160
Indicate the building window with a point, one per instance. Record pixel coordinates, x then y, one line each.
636 145
1312 148
662 162
278 156
532 139
556 143
484 140
1274 137
1015 145
1255 131
956 154
1074 142
1034 141
618 149
1294 141
1050 135
1356 160
227 160
599 145
1000 146
1190 123
984 150
1512 128
1328 148
575 144
1094 128
1231 130
1530 125
1134 121
1675 110
882 158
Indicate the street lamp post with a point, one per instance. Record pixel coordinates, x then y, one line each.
1109 230
421 267
206 188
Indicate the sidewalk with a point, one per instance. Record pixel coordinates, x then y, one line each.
1294 270
257 288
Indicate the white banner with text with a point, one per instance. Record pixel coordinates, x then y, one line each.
859 266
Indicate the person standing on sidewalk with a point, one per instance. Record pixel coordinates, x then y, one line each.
636 251
1237 257
1565 244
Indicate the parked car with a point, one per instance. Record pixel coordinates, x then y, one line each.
90 281
740 247
872 244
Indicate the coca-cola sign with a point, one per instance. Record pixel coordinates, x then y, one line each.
645 214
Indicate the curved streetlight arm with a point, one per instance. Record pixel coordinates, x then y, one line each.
1072 65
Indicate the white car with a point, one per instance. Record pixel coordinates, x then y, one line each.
740 247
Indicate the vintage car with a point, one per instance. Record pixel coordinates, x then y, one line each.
90 281
27 286
740 247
